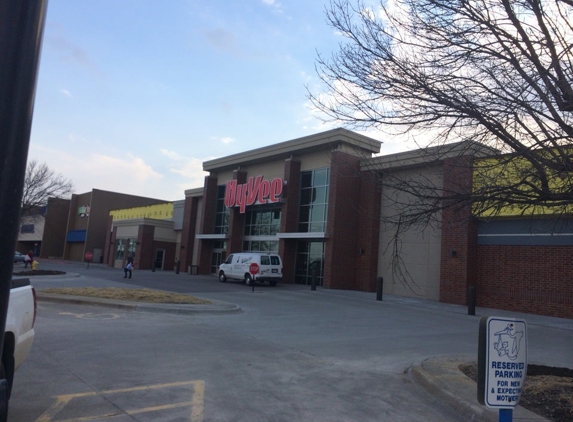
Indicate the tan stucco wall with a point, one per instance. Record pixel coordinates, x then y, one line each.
315 160
165 234
127 232
420 249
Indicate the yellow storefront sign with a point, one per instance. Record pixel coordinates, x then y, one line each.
157 212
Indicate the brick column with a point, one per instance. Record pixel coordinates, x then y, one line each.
208 224
342 249
144 257
236 220
188 233
368 232
459 234
289 218
109 238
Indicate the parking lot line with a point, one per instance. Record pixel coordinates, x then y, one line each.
196 404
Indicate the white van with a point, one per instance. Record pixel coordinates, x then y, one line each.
251 266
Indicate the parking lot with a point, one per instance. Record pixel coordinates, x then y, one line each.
290 354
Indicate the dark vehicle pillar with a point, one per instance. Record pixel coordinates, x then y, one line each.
21 29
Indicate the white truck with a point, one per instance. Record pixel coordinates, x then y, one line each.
251 267
19 332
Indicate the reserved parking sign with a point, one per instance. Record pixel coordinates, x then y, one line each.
502 361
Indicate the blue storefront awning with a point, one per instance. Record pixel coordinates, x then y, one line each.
76 236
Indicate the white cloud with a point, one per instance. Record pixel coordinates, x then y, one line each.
66 93
227 140
172 155
127 174
277 7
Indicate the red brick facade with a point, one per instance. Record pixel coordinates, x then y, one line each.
189 229
459 235
289 218
352 227
533 279
208 224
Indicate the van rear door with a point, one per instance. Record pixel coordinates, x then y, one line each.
276 266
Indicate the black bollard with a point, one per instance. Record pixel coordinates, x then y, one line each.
379 287
313 280
153 266
472 300
177 265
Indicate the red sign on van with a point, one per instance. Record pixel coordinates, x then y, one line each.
255 190
254 268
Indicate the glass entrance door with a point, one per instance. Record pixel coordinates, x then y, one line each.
216 259
309 258
159 259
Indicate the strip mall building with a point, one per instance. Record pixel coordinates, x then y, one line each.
316 202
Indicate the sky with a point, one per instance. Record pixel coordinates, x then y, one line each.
134 95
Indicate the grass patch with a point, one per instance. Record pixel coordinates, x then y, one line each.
135 295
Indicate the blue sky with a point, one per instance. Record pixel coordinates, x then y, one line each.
133 95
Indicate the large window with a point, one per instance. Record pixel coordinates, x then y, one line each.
313 200
119 250
131 248
221 212
27 228
260 246
263 221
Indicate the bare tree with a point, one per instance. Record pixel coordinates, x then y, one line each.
496 73
41 183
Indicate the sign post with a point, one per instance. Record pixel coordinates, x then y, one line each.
254 270
89 256
502 363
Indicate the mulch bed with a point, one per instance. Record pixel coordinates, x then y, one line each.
38 272
547 391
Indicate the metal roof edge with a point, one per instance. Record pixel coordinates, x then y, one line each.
425 156
298 145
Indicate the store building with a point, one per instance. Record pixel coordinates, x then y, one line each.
306 199
317 201
151 235
88 217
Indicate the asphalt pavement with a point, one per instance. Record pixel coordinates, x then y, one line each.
438 375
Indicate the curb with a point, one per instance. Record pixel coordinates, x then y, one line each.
216 307
442 378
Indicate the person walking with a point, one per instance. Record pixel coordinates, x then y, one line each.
128 267
29 258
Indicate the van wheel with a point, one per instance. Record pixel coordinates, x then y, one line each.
222 277
248 279
273 283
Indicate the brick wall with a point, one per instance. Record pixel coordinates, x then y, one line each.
236 220
368 233
532 279
459 235
188 232
145 252
342 250
289 218
208 224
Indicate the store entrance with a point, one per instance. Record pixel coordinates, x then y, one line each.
159 259
309 257
218 256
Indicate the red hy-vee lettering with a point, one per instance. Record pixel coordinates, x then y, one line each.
255 190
